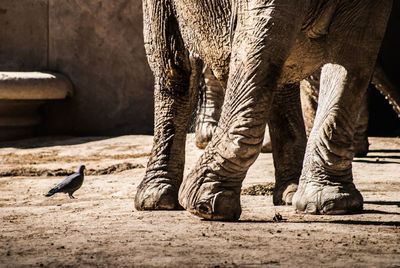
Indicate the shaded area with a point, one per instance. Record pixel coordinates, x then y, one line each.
382 157
358 222
354 222
384 151
28 171
374 211
349 222
50 141
34 158
376 161
383 203
384 122
259 189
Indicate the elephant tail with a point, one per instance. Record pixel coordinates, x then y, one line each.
53 191
387 88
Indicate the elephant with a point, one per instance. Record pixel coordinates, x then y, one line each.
212 96
259 50
309 99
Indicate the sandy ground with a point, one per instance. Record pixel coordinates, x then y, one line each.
102 228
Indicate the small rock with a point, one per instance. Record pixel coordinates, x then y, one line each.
277 217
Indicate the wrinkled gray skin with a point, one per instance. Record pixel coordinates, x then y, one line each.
210 111
259 50
309 99
309 91
213 94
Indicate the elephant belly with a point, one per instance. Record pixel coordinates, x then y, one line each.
305 57
205 29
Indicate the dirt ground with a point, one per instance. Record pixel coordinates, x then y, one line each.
102 228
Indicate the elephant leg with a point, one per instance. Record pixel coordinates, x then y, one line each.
361 143
288 139
210 110
309 90
326 184
176 83
212 189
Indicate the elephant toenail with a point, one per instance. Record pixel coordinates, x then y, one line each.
205 208
311 208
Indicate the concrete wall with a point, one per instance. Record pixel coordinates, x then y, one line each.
98 44
23 35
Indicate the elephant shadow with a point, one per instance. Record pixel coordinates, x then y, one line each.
383 203
366 222
346 222
373 157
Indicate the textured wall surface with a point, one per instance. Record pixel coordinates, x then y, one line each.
23 35
98 44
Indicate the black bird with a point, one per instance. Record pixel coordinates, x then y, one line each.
70 184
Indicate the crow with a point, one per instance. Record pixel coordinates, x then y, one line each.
70 184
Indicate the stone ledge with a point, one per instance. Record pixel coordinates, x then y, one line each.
34 86
22 94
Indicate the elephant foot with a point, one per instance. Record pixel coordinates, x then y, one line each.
208 199
204 133
157 196
283 194
334 198
361 147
